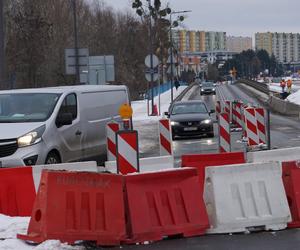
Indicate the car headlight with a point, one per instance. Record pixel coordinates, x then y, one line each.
213 89
174 123
32 137
206 121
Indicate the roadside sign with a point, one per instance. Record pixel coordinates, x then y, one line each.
125 111
155 61
174 69
70 60
148 76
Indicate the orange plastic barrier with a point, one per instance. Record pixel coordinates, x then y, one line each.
291 181
201 161
163 204
72 206
17 192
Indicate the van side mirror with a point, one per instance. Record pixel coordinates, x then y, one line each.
167 114
212 111
64 119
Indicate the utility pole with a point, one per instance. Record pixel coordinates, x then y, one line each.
151 59
2 49
77 78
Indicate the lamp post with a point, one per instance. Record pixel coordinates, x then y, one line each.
77 80
171 49
2 52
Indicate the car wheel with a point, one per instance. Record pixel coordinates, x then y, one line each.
52 158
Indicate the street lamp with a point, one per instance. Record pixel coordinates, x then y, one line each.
171 49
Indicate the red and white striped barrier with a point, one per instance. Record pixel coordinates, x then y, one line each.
251 127
237 114
224 133
111 130
127 153
218 108
261 125
165 137
227 108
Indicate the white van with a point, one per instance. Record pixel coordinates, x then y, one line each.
59 124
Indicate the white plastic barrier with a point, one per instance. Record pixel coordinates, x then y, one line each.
283 154
84 166
245 197
149 164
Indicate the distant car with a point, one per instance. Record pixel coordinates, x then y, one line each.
190 118
208 88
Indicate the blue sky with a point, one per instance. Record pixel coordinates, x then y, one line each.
236 17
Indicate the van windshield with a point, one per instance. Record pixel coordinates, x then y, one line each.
27 107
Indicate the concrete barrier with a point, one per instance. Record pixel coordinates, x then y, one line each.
149 164
246 197
284 107
283 154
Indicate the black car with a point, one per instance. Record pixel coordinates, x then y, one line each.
190 118
208 88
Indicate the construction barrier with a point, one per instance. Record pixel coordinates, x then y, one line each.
111 129
165 203
165 137
227 107
260 115
237 114
241 198
218 109
17 192
251 127
74 206
291 181
201 161
150 164
283 154
127 151
224 133
18 186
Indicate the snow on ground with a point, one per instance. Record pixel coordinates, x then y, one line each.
295 97
140 107
11 226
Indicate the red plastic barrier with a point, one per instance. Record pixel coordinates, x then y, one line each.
17 192
72 206
163 204
291 181
201 161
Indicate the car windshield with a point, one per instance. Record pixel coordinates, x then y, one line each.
189 108
28 107
207 84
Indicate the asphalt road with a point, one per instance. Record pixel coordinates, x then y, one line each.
285 132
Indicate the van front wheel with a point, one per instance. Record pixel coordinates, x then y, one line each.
52 158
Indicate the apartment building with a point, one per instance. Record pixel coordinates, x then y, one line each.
284 46
198 41
238 43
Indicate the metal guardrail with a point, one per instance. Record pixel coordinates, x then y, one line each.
260 86
183 93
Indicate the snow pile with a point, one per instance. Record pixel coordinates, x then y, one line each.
11 226
295 97
140 107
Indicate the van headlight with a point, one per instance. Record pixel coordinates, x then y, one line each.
32 137
207 121
174 123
